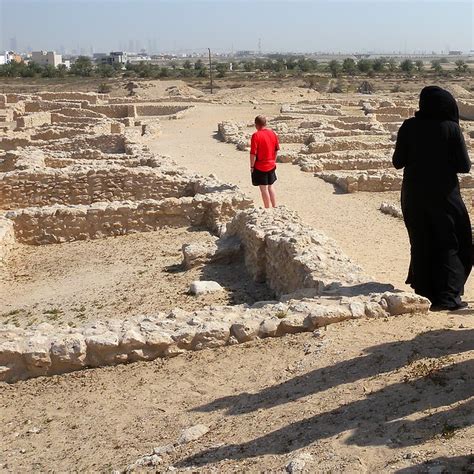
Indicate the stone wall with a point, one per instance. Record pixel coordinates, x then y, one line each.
376 181
147 110
289 256
59 223
32 106
12 143
82 185
114 110
34 120
106 143
70 96
24 158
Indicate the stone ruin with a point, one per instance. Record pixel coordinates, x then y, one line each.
91 177
347 142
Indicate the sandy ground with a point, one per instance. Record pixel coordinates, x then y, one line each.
362 396
379 243
392 395
114 278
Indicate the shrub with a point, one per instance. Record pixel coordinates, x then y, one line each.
104 88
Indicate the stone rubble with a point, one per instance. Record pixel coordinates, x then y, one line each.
336 290
73 167
346 142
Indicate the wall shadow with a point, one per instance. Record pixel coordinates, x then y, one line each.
377 419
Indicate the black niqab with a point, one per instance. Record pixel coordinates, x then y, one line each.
437 104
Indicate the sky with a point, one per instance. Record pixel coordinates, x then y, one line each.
230 25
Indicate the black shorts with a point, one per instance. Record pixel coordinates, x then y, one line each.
263 178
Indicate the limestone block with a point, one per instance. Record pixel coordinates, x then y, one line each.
268 327
403 303
245 331
68 353
203 287
211 334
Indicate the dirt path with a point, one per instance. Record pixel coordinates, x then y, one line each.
377 242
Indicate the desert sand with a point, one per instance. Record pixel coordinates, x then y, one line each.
392 394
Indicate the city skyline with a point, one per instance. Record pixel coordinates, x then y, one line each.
87 27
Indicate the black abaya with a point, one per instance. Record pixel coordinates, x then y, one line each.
431 149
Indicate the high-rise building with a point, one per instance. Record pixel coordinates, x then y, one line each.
13 44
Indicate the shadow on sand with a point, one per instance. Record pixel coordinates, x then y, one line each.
378 418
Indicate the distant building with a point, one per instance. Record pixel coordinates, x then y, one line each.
115 57
46 58
98 57
455 53
10 57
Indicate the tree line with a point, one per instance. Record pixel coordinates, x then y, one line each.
273 64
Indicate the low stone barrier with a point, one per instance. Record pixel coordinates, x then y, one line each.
290 256
33 120
376 181
90 97
48 350
326 145
83 185
316 165
173 111
58 224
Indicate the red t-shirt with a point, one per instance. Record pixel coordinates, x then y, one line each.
264 145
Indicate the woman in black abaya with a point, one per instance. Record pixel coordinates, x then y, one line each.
431 149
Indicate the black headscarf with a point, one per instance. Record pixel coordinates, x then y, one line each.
437 104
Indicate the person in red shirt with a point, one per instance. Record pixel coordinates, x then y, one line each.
264 146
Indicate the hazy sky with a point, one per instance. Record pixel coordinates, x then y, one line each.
223 25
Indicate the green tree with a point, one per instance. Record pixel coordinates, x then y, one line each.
364 65
249 66
335 68
164 72
61 70
349 66
379 64
187 64
392 65
461 66
436 66
303 64
105 70
48 71
407 66
82 67
32 70
420 65
221 69
198 65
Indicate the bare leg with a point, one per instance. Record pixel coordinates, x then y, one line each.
271 192
265 196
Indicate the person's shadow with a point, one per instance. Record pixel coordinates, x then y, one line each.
453 464
377 419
